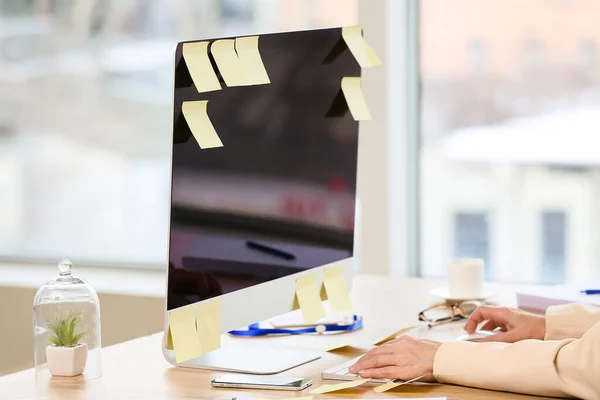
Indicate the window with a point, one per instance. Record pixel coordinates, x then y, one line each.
553 247
477 57
533 55
472 238
237 9
588 57
85 118
491 137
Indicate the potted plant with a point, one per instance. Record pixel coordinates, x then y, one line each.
66 355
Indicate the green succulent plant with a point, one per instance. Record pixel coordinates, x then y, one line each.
64 330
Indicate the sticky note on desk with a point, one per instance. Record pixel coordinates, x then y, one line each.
338 386
362 52
309 299
298 398
287 398
395 383
196 116
336 347
186 343
208 325
249 56
336 289
352 89
200 67
393 335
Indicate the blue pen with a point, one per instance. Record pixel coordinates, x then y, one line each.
591 291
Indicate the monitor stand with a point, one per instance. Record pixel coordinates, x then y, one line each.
258 360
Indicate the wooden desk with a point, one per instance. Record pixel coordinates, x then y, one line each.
137 370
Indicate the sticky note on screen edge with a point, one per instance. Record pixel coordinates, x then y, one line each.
169 344
336 289
208 325
186 345
339 386
230 66
199 66
309 299
352 89
249 55
196 116
360 49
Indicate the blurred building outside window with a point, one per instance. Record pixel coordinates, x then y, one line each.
517 137
85 120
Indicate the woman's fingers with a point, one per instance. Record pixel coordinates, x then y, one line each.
491 325
370 361
390 372
485 313
398 339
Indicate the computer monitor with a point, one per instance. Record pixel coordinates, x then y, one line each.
277 201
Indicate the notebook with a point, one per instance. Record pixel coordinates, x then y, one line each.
542 297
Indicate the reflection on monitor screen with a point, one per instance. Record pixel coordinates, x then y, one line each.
279 197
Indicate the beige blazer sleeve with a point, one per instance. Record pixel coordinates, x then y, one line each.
570 321
560 368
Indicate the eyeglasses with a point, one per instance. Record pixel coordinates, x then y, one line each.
444 313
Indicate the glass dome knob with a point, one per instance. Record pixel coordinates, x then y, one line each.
64 267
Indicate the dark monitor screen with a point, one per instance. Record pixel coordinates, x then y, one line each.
279 196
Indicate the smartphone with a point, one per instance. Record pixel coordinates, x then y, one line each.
261 382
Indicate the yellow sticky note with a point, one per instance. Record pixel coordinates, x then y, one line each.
169 344
363 53
352 89
298 398
309 300
338 386
228 62
249 56
395 383
208 325
183 330
393 335
336 288
386 386
197 119
199 67
336 347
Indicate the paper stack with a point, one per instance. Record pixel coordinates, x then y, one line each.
542 297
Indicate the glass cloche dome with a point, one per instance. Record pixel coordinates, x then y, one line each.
66 328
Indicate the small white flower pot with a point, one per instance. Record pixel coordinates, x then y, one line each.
67 361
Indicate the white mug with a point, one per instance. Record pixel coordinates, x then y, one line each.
465 278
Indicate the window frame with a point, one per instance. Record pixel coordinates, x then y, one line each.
404 141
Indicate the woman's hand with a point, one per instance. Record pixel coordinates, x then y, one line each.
403 358
513 324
